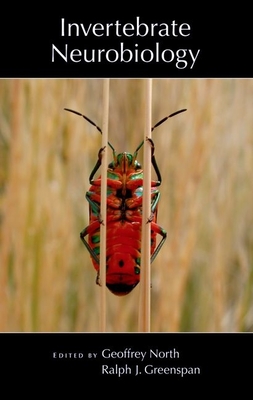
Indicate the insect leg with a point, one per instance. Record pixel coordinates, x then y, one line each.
92 228
98 164
95 207
153 161
154 203
156 229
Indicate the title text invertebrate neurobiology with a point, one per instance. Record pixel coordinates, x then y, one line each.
125 49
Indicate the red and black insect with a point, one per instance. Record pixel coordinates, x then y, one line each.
124 216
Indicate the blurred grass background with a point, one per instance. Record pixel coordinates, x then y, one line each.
203 277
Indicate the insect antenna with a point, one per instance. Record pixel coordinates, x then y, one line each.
157 124
165 118
90 121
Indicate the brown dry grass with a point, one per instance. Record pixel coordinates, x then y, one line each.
202 278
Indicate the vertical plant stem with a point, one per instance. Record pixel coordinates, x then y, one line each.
144 317
106 84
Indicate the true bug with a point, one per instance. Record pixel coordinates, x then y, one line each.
124 216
